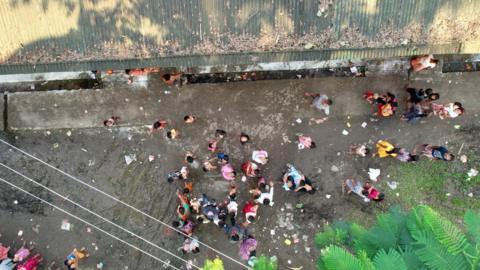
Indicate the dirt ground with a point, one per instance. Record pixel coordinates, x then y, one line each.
273 113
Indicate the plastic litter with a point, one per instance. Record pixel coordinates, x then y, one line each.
472 173
392 185
364 124
66 226
334 168
130 158
463 158
288 242
373 174
20 233
151 158
345 132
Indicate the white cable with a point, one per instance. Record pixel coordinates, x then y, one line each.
89 224
122 202
97 215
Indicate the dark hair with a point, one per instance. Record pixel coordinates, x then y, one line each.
251 219
452 157
434 61
262 185
414 158
176 224
367 151
204 169
266 201
221 224
186 117
226 158
210 145
290 178
105 123
329 102
190 159
156 125
256 196
234 173
256 171
434 96
169 134
196 250
313 145
233 196
243 135
428 91
365 192
181 210
166 77
170 179
381 197
220 133
458 104
200 219
235 237
186 191
311 191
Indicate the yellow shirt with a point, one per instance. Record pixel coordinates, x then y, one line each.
383 147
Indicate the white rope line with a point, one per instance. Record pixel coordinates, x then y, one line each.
97 215
90 224
123 203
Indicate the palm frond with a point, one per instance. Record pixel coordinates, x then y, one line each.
446 232
365 261
435 255
472 223
337 258
411 259
391 260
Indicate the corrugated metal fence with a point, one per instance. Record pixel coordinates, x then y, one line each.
89 34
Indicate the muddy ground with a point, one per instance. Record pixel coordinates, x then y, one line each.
267 111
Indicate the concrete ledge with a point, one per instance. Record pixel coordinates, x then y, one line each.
76 109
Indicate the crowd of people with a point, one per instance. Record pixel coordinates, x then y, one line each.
25 259
194 211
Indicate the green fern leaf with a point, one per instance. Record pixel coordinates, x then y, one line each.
337 258
435 255
446 232
391 260
472 222
411 259
365 261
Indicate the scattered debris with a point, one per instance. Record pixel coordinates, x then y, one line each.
448 194
55 145
373 174
457 126
472 173
69 133
20 233
328 196
66 226
470 195
364 124
334 168
151 158
345 132
36 228
130 158
15 202
298 120
463 158
392 185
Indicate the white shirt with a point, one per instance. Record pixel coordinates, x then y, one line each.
318 103
267 195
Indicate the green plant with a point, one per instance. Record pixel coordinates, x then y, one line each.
265 263
216 264
422 239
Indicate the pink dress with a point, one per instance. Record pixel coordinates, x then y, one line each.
227 170
31 263
22 253
3 252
